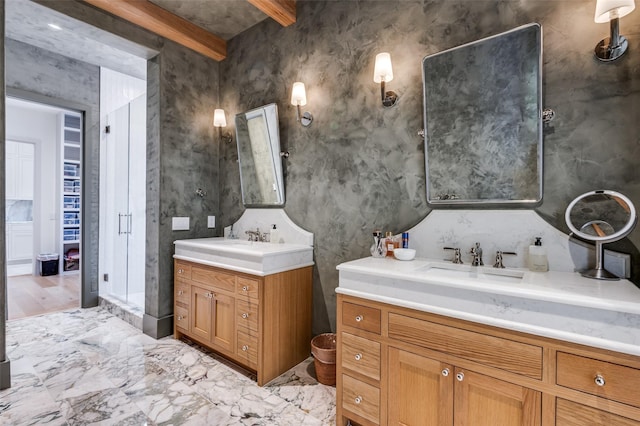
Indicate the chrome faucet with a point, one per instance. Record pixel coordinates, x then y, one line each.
476 255
256 235
457 258
499 254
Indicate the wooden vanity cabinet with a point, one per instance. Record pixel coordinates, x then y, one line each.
261 323
398 366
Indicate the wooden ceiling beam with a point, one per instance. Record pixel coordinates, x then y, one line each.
282 11
166 24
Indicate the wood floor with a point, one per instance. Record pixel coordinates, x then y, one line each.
29 295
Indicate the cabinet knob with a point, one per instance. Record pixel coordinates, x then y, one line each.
245 315
599 379
210 295
445 372
179 317
358 357
181 271
245 288
358 399
245 348
359 318
460 377
180 292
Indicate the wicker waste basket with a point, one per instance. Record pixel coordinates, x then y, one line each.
323 349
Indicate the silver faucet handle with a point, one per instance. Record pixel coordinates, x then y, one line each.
457 257
476 255
499 254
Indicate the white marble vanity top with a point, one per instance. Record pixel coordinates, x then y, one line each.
559 305
255 258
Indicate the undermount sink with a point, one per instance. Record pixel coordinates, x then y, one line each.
481 273
245 256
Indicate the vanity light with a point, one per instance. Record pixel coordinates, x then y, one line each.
614 46
299 98
219 121
383 72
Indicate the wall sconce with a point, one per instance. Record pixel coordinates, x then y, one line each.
383 72
299 98
614 46
220 121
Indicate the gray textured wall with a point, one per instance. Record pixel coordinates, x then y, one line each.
360 167
48 77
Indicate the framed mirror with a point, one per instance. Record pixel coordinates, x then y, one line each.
483 121
601 216
258 138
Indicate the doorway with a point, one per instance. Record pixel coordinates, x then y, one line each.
37 186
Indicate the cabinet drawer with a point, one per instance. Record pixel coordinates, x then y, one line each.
219 280
247 349
362 317
361 398
247 287
361 355
619 383
182 293
247 314
569 413
504 354
182 270
181 318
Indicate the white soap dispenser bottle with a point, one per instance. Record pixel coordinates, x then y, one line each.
274 235
538 261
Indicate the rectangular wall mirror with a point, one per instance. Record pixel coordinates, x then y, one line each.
258 138
483 121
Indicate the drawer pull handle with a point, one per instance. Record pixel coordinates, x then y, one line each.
245 315
599 380
445 372
358 400
179 317
245 288
359 318
245 348
358 357
180 292
460 377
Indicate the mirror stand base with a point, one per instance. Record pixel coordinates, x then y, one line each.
599 274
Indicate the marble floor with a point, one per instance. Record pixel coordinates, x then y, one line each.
86 366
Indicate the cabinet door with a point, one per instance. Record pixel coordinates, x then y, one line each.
224 321
201 313
420 390
484 401
569 413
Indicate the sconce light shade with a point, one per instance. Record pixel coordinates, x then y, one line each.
298 94
299 98
382 71
219 120
604 7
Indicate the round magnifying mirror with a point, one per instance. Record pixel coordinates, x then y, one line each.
602 217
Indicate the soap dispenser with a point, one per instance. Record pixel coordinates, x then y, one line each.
538 261
274 234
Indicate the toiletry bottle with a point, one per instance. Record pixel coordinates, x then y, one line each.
405 240
274 235
538 261
391 242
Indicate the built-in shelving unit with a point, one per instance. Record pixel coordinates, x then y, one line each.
71 136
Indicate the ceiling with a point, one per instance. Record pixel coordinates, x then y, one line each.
27 21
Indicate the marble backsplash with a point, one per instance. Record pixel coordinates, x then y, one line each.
19 211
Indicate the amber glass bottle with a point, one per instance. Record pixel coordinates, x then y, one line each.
391 243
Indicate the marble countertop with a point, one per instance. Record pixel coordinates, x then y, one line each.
256 258
559 305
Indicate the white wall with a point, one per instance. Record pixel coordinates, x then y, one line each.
39 126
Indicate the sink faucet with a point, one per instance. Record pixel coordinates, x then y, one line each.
256 235
476 255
